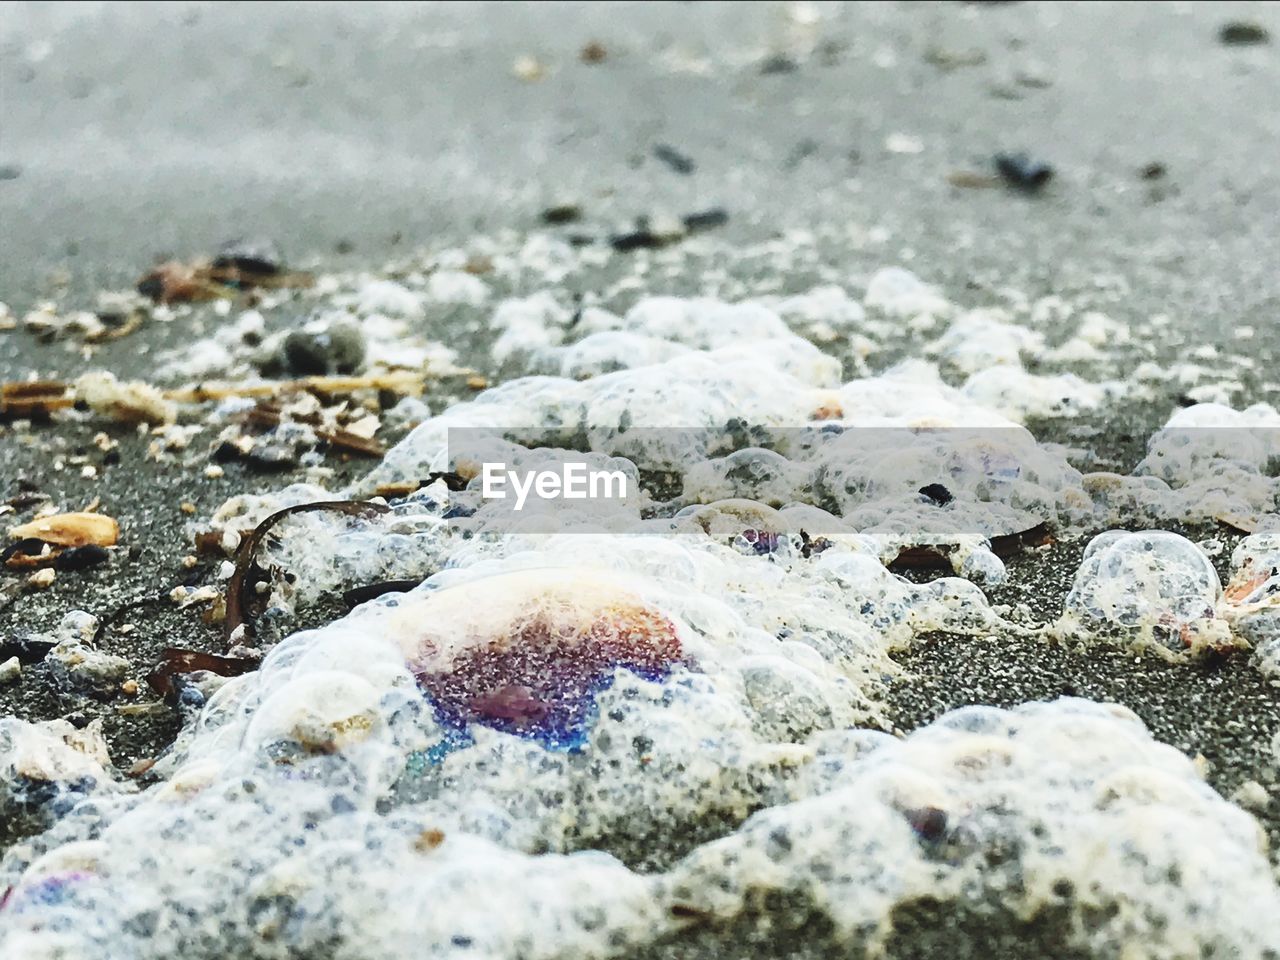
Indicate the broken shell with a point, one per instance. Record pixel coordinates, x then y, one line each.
71 530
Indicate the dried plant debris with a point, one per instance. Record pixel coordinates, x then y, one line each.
34 398
239 267
175 662
247 572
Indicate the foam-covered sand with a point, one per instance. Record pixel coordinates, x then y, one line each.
662 726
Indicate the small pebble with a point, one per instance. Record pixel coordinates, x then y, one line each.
1019 170
562 213
10 670
937 493
129 688
1243 33
42 579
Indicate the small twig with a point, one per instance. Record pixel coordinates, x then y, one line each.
240 583
402 382
358 595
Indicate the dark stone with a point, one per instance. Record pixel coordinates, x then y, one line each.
562 213
706 219
339 348
673 158
937 493
1243 33
1019 170
778 63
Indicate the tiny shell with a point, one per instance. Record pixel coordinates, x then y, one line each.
71 530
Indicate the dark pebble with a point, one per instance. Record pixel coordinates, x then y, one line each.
937 493
706 219
778 63
306 354
1154 171
10 171
82 558
636 240
341 347
1019 170
562 213
673 158
1242 33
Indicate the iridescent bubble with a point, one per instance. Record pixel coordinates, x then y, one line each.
527 653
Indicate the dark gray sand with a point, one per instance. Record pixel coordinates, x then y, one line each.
353 133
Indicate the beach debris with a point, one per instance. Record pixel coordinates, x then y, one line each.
175 661
778 63
926 556
1022 172
26 649
45 323
81 558
70 530
1243 33
937 493
338 347
33 398
248 573
969 180
947 59
652 233
249 258
593 52
42 579
565 212
281 430
27 553
679 162
131 401
238 267
358 595
400 382
706 219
